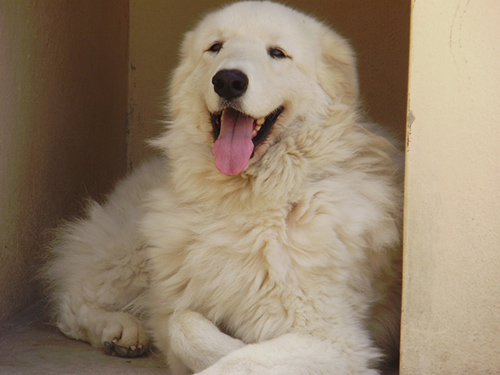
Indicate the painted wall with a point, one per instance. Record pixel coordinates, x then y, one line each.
63 106
451 305
379 31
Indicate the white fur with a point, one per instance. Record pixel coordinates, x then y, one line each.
290 267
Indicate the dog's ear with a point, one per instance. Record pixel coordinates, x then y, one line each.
338 74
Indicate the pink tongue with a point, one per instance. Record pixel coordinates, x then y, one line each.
234 147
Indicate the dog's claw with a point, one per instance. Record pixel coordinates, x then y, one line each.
108 347
122 351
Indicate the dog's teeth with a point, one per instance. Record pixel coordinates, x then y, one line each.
258 127
254 133
260 121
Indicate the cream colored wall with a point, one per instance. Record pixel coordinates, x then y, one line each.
63 106
451 316
378 29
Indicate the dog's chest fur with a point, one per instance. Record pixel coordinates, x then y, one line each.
256 274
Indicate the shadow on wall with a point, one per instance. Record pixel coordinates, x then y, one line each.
63 73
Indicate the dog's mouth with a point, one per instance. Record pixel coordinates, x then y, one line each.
236 137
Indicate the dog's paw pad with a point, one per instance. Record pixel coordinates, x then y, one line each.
108 347
121 351
131 352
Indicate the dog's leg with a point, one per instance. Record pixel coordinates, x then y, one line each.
117 332
176 366
192 340
294 354
94 285
98 271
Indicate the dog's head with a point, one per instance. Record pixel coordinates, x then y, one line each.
248 71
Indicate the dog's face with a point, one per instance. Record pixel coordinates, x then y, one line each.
250 70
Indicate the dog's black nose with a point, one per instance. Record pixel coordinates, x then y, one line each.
230 84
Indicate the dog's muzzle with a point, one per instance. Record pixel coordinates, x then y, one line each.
236 134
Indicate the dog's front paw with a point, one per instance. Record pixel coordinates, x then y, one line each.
124 336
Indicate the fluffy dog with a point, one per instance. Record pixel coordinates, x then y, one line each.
267 240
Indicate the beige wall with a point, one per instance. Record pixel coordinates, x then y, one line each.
378 29
63 96
451 306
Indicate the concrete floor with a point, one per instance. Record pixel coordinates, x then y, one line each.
29 346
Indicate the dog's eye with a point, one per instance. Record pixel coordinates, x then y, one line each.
215 47
277 53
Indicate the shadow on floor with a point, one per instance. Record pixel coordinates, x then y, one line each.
30 346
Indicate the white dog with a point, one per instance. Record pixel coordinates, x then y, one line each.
267 241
